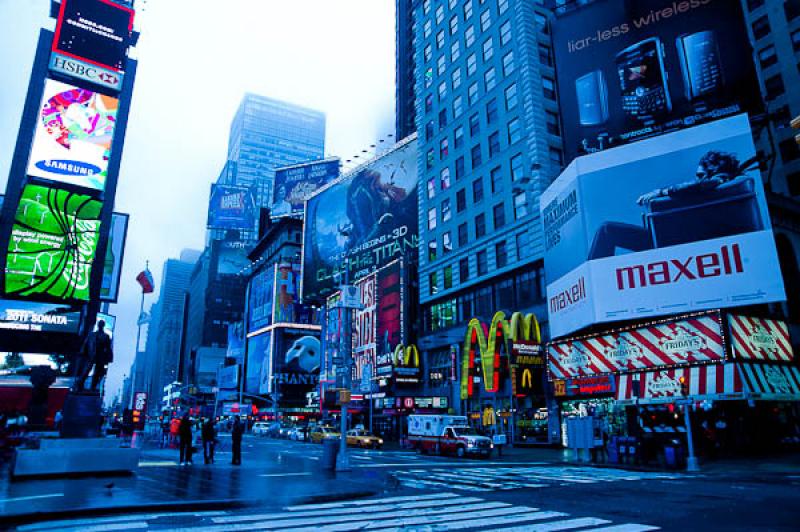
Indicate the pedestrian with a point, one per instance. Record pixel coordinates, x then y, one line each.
185 436
209 434
59 417
164 433
237 431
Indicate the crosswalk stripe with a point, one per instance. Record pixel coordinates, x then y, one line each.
441 484
568 524
627 527
50 525
347 511
130 525
489 521
447 477
370 502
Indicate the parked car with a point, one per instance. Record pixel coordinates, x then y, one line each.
261 428
298 433
320 433
284 430
362 438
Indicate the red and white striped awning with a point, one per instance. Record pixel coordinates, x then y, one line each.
771 381
712 381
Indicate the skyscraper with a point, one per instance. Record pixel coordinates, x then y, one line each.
267 134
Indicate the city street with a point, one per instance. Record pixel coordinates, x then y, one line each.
280 486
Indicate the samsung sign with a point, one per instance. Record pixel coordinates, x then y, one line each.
85 71
669 225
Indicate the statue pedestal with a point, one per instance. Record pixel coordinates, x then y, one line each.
82 415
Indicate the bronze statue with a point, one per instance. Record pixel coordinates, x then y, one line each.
96 352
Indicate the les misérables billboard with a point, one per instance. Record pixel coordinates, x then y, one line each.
664 226
364 220
629 70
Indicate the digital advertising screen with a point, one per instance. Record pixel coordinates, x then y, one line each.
261 298
52 245
361 222
672 224
236 339
29 316
94 31
73 136
631 70
232 207
258 362
294 184
296 361
230 256
112 267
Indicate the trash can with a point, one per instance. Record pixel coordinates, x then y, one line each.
673 454
330 448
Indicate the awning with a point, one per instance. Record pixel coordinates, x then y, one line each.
771 381
712 381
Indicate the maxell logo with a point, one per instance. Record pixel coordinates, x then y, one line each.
568 297
728 261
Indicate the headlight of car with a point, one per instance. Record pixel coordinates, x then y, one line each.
380 441
491 446
470 444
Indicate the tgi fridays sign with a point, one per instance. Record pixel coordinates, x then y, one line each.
760 339
688 341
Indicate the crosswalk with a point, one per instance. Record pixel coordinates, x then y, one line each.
431 511
509 478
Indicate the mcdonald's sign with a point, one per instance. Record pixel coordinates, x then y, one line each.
491 345
406 364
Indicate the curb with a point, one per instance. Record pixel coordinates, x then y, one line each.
213 504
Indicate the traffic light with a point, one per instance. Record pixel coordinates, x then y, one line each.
796 125
684 386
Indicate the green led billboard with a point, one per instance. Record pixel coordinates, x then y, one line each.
52 245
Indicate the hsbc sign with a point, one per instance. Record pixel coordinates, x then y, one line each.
85 71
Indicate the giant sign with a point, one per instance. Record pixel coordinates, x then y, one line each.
694 340
361 222
97 32
28 316
675 223
231 207
364 341
112 267
631 70
295 359
760 339
294 184
261 296
52 245
73 136
389 318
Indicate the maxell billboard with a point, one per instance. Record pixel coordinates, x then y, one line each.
630 70
669 225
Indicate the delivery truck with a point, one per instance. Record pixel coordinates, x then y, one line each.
446 435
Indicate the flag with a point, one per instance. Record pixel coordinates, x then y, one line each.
146 280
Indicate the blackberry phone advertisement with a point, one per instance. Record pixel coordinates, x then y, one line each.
628 70
361 222
673 224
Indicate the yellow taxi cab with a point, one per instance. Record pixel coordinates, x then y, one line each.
319 433
362 438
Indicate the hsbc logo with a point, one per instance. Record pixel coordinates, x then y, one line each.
81 70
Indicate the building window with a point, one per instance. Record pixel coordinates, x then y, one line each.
499 215
439 40
505 33
428 103
443 148
427 52
453 25
447 274
441 65
488 49
480 226
469 36
502 6
442 91
556 156
433 283
472 64
442 118
516 167
774 86
463 270
793 180
511 96
472 93
508 63
486 20
439 14
549 88
456 78
427 29
475 154
428 131
459 168
458 137
523 248
455 51
447 242
461 200
491 111
428 77
474 125
500 255
431 187
552 123
458 106
767 56
426 6
520 205
444 178
467 9
496 179
446 213
761 27
463 234
429 159
477 190
431 251
514 131
494 144
792 9
541 21
432 218
545 55
482 263
489 79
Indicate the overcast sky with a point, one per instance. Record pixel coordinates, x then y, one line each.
196 59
